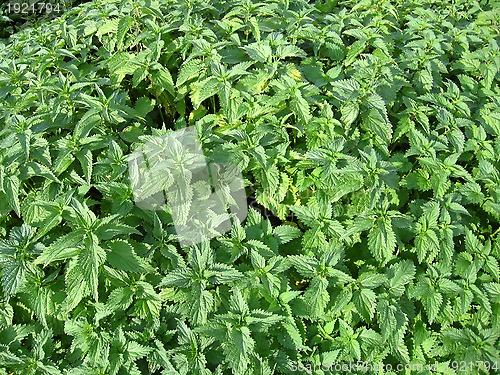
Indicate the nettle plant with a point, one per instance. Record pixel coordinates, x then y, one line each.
368 138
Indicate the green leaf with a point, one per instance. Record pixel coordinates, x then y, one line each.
301 108
90 259
11 188
493 290
76 286
202 303
204 90
89 120
349 111
67 246
371 280
259 51
162 80
432 302
120 299
224 273
85 159
108 27
376 121
365 301
427 245
189 70
121 65
109 227
316 297
13 275
355 49
123 257
238 348
286 233
123 28
345 90
306 266
393 321
400 274
382 240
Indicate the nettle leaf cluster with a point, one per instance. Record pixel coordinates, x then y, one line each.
368 133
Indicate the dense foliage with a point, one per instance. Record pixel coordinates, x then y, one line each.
368 133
